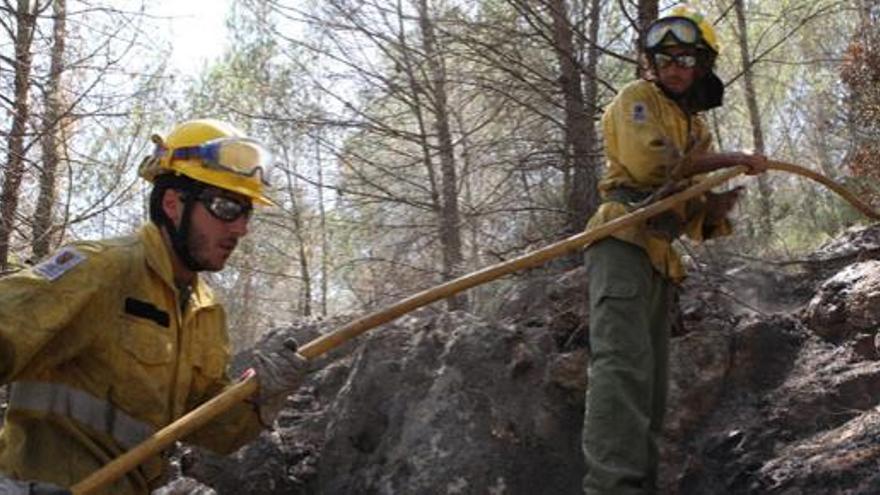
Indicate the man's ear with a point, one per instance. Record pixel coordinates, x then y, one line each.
172 205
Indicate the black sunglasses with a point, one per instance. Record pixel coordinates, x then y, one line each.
225 208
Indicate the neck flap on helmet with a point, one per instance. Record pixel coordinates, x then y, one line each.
705 93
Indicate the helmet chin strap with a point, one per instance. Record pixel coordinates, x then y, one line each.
180 235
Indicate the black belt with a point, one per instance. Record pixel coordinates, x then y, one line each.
628 195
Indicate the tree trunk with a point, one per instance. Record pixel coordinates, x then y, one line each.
580 133
648 12
472 230
53 141
591 102
325 243
450 221
25 19
765 225
827 222
305 300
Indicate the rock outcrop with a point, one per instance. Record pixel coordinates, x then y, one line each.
775 387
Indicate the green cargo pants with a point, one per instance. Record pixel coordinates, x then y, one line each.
629 357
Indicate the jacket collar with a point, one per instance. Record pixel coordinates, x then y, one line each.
158 256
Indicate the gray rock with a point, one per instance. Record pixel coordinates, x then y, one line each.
847 302
458 407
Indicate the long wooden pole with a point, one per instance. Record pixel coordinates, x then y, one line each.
825 181
332 340
246 388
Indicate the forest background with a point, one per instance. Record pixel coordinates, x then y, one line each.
414 140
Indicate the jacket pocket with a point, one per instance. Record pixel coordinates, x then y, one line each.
212 363
210 345
147 342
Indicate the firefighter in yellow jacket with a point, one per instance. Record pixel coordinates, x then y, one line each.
106 342
655 141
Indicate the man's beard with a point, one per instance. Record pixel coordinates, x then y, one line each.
197 244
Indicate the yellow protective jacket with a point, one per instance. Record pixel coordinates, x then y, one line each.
100 355
647 135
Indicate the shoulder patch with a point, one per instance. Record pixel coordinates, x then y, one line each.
639 112
59 263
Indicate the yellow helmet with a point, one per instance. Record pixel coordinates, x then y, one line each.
679 28
212 152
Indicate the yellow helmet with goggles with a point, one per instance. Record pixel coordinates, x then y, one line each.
683 26
214 153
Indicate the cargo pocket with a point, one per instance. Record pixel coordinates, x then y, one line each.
618 289
617 326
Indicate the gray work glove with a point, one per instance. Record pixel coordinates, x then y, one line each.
280 370
15 487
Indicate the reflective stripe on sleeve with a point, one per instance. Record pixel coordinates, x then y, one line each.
81 407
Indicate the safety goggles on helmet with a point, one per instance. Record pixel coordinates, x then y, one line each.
685 61
224 208
683 31
241 156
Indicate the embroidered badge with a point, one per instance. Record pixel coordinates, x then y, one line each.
639 112
59 263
